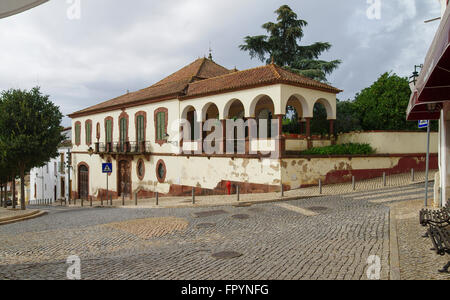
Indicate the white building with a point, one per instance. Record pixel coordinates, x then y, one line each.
430 99
51 182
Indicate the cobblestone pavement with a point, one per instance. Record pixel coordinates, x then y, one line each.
416 258
276 242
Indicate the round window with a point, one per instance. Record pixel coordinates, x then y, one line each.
141 169
161 171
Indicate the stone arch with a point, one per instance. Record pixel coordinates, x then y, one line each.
300 103
331 115
262 102
208 109
231 108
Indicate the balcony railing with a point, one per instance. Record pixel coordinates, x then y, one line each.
123 148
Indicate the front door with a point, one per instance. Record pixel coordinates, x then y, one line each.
124 187
83 182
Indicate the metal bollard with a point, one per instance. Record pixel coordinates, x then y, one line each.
238 193
110 200
384 179
282 190
157 198
135 199
320 186
82 202
123 199
412 175
90 201
354 183
101 201
193 196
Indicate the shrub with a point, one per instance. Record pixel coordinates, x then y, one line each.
344 149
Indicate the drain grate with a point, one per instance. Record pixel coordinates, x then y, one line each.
204 214
227 255
241 217
206 225
318 208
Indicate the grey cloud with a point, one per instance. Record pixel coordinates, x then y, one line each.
117 46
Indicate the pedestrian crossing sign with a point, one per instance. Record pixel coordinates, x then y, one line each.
424 124
107 168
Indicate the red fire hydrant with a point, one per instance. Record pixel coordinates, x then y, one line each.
229 187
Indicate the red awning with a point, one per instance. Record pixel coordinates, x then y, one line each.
433 84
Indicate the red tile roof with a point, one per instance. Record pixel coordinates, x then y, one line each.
205 77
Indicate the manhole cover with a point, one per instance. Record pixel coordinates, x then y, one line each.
227 255
241 217
206 225
318 208
211 213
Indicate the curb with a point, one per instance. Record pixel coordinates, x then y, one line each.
394 259
30 216
235 204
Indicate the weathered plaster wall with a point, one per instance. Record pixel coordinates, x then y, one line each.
181 171
306 172
393 142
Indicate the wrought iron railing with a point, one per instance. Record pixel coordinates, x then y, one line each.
123 148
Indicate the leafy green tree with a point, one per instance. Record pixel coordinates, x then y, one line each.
30 131
382 106
282 45
346 119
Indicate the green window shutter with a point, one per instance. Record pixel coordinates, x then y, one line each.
140 129
109 131
88 133
77 134
123 130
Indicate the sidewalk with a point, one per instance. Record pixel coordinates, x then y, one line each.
8 216
224 200
414 260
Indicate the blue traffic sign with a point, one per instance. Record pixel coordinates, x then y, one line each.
424 124
107 168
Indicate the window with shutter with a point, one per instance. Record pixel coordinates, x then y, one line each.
78 134
161 115
108 131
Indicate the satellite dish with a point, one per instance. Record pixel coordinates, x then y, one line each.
12 7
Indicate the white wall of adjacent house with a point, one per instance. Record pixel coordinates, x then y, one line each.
50 182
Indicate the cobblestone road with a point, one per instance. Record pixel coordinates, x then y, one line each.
276 241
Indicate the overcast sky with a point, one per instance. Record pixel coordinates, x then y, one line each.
117 46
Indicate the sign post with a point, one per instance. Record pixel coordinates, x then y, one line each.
426 124
107 169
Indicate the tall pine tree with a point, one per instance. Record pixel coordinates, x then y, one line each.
282 45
